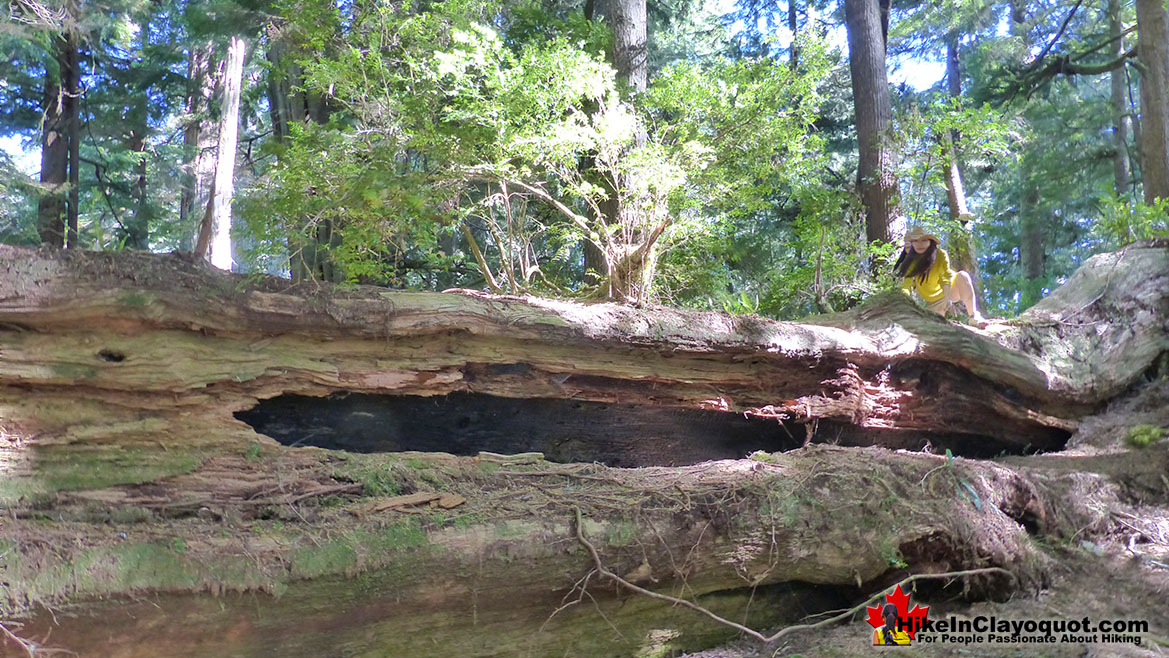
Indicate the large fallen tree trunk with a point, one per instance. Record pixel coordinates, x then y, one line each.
126 381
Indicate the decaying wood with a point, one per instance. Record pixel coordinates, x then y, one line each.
127 472
176 334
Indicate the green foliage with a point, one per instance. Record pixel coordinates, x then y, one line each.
457 131
376 475
252 453
1123 222
1143 436
439 130
353 184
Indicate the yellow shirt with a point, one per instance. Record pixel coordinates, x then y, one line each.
899 637
931 289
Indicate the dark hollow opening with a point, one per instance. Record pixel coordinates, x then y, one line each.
111 356
566 431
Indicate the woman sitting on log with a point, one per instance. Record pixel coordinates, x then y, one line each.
925 268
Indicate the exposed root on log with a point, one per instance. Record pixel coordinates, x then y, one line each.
29 647
764 639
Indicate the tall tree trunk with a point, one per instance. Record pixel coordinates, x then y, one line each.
629 42
793 26
1121 118
308 255
955 192
198 165
876 171
281 78
221 255
632 259
138 226
1031 243
71 79
54 154
962 244
1153 51
1031 246
286 106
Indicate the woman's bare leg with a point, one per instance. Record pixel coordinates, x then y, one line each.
962 290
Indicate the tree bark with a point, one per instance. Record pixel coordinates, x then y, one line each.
71 79
309 256
198 165
793 26
54 152
955 191
127 468
220 251
876 170
138 226
630 258
1153 51
1121 117
847 371
629 42
962 241
1032 252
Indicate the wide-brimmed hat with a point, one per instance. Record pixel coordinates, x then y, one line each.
918 233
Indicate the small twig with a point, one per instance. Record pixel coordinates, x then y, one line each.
29 647
600 567
581 585
1067 19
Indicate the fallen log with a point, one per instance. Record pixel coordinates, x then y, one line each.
126 380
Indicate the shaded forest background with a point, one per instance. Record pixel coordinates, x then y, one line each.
710 155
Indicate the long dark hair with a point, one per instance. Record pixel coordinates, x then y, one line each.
912 264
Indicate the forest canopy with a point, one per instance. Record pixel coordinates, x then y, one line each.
737 157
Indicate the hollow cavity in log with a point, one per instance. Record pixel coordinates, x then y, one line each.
566 431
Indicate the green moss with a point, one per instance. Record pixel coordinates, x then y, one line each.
764 457
119 569
357 550
333 557
467 520
511 529
73 371
130 514
406 534
172 565
657 643
622 533
77 468
108 468
135 299
1143 436
376 473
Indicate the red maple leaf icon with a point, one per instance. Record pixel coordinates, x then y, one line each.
909 620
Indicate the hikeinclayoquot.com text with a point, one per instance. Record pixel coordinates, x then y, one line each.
992 630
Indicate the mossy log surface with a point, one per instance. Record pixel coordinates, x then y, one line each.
126 472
